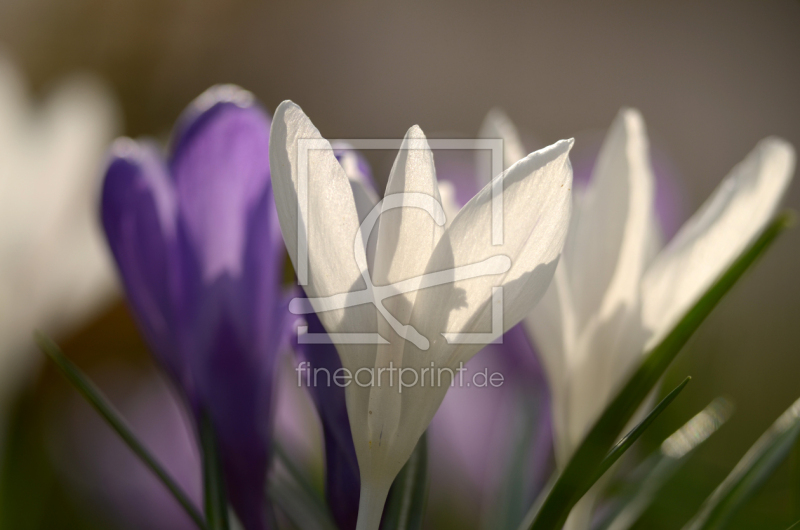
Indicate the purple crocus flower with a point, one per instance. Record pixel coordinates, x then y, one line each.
199 249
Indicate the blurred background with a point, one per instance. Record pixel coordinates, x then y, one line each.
711 79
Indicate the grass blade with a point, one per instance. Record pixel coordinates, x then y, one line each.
405 507
627 441
297 497
103 406
589 455
750 473
660 467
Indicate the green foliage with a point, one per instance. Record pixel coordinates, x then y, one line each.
652 475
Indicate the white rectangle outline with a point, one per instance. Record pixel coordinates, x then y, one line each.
494 145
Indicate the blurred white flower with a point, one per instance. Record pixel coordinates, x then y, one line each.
54 267
411 242
616 293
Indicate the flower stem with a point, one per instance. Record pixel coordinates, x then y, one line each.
370 505
216 503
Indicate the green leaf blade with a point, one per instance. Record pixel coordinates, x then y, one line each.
627 441
660 467
750 473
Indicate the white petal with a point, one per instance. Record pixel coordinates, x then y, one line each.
365 200
82 117
363 187
497 124
407 238
56 270
536 209
607 249
447 192
363 192
408 235
332 226
330 221
727 223
552 325
586 327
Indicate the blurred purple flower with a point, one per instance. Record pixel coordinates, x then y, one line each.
197 242
342 480
475 436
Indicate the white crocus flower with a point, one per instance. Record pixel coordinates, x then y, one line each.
615 294
411 242
55 268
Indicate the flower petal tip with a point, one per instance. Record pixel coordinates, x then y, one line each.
415 133
631 115
780 149
125 148
227 93
559 148
287 106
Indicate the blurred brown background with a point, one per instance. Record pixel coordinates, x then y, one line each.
711 78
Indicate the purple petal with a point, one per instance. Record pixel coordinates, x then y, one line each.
220 165
342 479
234 367
139 217
264 260
237 397
526 377
201 255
